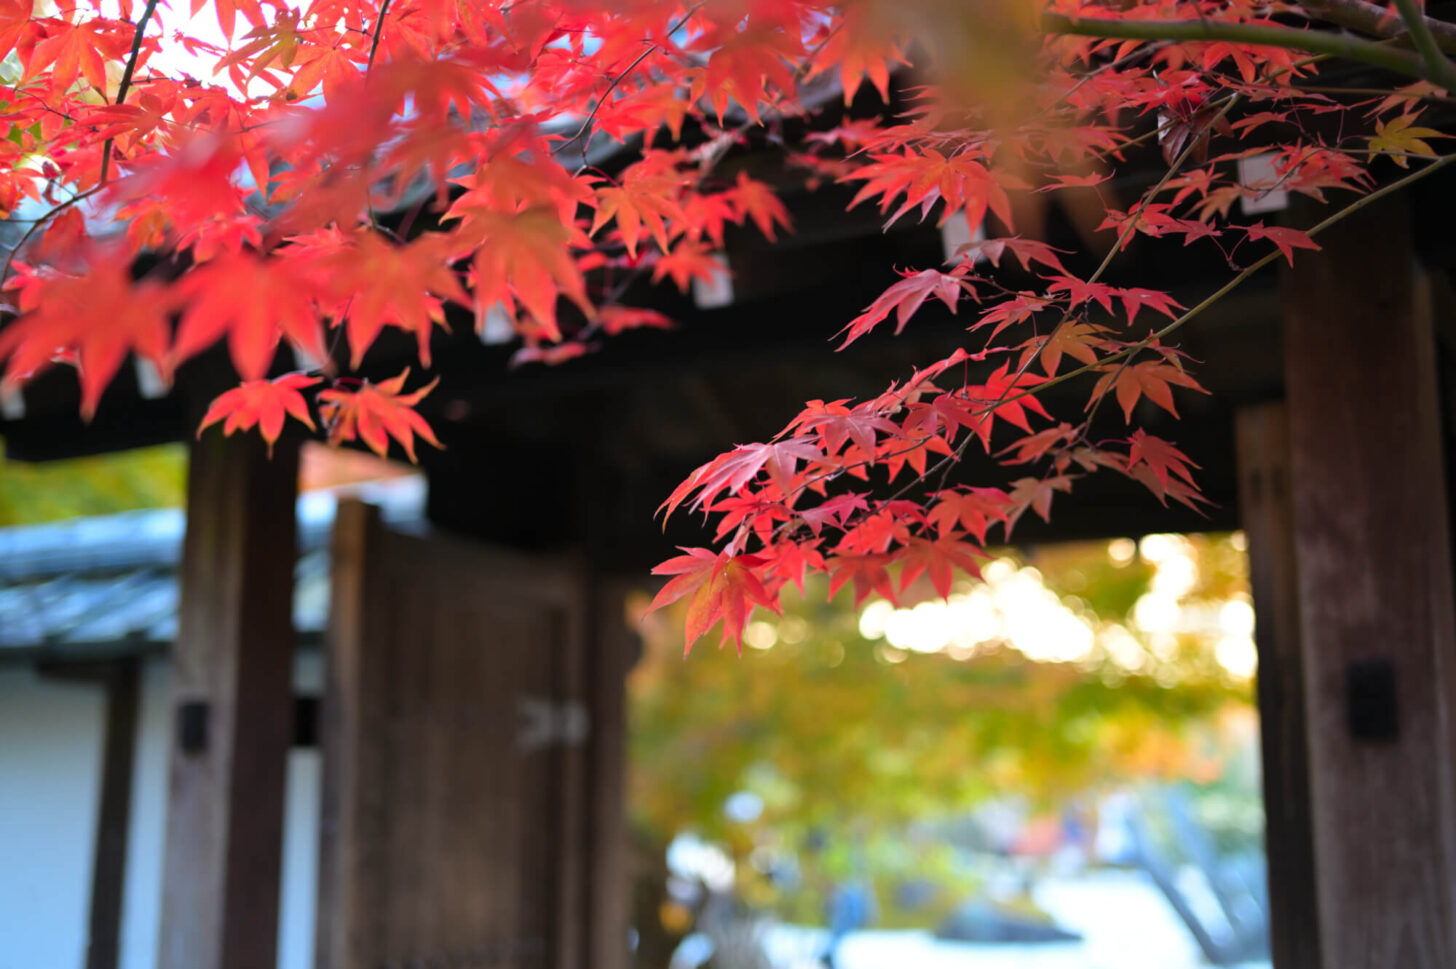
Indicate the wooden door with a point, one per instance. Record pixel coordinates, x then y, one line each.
455 759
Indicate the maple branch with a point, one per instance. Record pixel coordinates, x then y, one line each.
1425 43
1236 281
1375 92
945 464
1262 35
1373 19
126 75
1122 356
36 224
378 29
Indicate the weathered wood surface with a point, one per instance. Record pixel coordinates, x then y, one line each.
1375 587
456 783
1267 516
231 665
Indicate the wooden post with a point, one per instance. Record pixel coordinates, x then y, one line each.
1375 594
232 708
614 649
1267 517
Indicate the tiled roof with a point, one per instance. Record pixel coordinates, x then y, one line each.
109 584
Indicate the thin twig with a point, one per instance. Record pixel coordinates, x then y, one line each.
378 29
617 80
36 225
126 75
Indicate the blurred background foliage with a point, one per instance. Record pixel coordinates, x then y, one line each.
154 477
855 743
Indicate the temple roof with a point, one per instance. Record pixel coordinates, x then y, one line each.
108 585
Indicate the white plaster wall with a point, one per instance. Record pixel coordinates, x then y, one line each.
50 776
50 752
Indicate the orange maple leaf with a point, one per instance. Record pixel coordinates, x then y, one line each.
255 302
862 46
523 257
377 412
92 321
264 403
637 202
754 200
381 285
1151 379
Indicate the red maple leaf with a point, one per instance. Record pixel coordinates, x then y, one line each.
1036 494
1286 239
867 572
939 559
904 298
723 587
971 510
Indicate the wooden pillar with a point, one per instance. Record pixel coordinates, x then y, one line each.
1375 594
232 708
1267 517
614 650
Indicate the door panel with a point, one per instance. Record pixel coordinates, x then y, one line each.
453 739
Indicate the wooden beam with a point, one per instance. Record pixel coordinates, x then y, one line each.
1267 517
232 708
1375 593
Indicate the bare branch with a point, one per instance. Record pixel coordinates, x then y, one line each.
1373 20
1425 43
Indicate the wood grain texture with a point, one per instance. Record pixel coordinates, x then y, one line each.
447 840
1375 584
1267 516
234 654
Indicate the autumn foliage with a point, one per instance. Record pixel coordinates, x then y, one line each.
289 182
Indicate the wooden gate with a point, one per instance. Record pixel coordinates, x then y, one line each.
455 819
